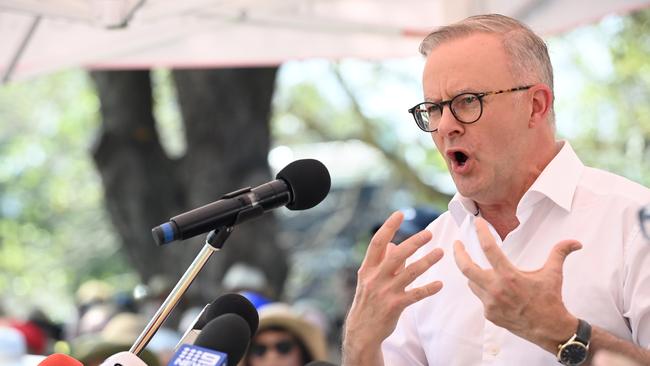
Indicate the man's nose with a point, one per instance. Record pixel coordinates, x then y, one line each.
448 124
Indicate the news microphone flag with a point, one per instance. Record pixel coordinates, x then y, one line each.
189 355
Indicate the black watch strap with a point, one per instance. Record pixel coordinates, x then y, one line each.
583 334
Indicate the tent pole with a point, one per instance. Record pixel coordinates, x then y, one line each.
20 50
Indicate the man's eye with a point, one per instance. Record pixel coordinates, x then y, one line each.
469 99
434 108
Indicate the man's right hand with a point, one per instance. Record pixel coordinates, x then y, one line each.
381 293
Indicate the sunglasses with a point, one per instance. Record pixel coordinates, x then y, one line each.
282 347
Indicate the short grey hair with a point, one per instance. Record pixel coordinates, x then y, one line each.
526 50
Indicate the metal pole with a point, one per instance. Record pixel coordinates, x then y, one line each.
21 49
173 298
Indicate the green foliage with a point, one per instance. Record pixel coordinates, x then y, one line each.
367 102
613 113
54 232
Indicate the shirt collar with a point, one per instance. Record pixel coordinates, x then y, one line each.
460 207
558 182
560 178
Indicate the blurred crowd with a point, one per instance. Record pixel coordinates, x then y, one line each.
109 322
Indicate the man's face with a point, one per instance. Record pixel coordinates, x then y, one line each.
483 157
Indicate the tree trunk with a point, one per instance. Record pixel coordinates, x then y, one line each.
226 118
226 114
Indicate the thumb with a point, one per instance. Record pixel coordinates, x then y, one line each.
559 253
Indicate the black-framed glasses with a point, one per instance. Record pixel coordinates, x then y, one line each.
282 347
466 107
644 221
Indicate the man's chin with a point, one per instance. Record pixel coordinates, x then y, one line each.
466 187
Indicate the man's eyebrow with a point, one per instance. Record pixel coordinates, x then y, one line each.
465 90
456 92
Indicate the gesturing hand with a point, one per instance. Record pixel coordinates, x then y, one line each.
380 295
528 304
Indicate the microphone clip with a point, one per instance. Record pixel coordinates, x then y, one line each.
217 237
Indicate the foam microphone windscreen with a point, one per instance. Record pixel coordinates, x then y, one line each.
227 304
59 359
309 182
228 333
124 358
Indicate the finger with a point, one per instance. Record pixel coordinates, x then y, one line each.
390 249
467 266
559 253
422 292
377 246
493 253
476 290
415 269
407 248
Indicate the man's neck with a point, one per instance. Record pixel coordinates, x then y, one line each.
499 207
502 217
502 213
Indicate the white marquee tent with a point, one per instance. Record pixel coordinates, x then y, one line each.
41 36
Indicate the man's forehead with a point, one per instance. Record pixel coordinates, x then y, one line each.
470 64
480 50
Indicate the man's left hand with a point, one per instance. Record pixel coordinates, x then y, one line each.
528 304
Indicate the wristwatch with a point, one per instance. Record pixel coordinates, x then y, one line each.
576 350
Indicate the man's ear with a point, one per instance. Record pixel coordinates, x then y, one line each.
542 101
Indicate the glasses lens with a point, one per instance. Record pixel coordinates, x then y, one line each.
257 349
284 347
427 116
466 107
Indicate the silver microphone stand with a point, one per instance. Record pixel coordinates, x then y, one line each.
213 243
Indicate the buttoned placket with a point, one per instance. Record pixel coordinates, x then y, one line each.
493 335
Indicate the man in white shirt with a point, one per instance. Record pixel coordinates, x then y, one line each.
539 259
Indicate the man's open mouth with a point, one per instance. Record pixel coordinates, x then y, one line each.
460 157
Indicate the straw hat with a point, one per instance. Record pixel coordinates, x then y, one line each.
117 336
123 328
283 316
93 349
94 291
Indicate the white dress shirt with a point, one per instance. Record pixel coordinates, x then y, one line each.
606 283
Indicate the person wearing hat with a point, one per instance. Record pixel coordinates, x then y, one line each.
285 339
117 336
249 281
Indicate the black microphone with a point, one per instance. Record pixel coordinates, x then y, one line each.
227 335
230 303
300 185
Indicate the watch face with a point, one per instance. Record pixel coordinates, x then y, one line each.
573 354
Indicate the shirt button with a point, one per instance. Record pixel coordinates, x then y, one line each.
493 349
